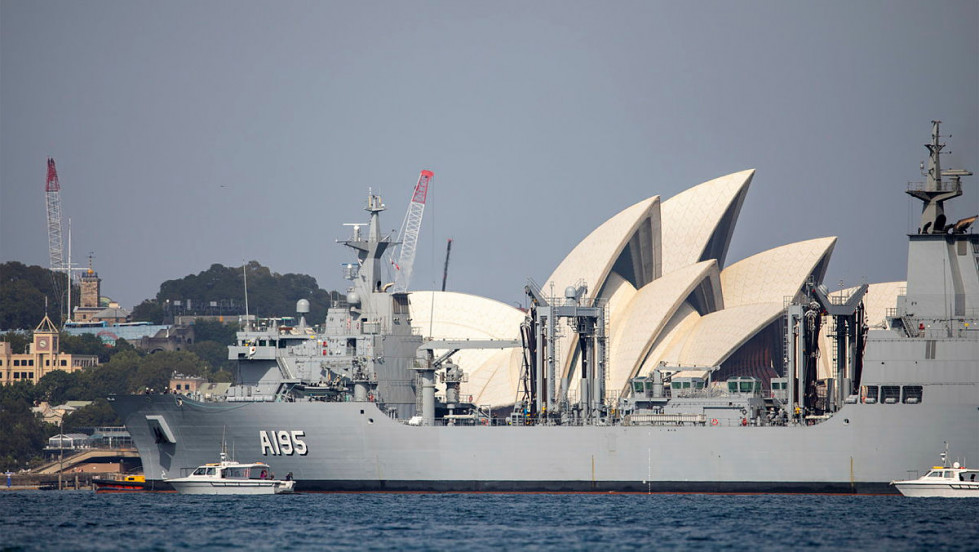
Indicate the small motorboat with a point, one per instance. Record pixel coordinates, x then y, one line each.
127 483
955 481
228 477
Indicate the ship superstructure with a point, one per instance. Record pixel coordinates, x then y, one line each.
362 353
353 404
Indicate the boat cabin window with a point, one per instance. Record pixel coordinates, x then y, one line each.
637 387
890 394
911 394
200 471
236 473
259 472
937 473
868 394
744 385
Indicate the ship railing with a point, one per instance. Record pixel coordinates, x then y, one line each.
953 185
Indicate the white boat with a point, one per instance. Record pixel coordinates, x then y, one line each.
228 477
954 481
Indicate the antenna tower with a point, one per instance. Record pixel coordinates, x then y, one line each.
409 232
445 269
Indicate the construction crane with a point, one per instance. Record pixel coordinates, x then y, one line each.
52 195
409 232
445 269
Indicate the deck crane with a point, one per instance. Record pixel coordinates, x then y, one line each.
52 195
409 232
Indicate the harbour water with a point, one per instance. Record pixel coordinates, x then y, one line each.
38 520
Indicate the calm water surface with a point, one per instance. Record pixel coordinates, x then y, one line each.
37 520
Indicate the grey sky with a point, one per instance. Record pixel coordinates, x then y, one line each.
191 133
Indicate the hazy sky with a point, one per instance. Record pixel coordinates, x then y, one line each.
192 133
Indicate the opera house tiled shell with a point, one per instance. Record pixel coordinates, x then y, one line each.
659 268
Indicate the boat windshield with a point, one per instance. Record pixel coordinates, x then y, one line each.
204 470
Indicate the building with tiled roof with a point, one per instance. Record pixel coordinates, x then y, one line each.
659 269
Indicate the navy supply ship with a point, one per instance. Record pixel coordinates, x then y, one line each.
352 406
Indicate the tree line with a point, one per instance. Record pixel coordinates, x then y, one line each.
127 371
221 289
122 370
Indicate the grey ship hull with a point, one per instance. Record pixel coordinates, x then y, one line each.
355 447
926 365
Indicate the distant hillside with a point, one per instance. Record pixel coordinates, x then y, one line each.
217 290
220 290
23 290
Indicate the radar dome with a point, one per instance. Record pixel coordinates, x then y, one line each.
353 298
302 306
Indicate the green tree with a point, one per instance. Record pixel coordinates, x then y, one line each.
113 377
214 355
149 311
59 386
269 293
121 345
23 290
155 370
85 344
207 330
97 414
18 341
22 433
221 376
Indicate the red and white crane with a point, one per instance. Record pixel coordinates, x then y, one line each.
409 232
56 244
52 195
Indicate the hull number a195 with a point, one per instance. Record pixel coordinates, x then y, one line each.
283 443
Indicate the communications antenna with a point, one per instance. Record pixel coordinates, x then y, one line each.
409 232
445 269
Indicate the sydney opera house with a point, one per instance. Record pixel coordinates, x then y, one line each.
660 268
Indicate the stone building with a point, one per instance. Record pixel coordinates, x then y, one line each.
42 357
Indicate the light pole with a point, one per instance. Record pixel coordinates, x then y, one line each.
61 448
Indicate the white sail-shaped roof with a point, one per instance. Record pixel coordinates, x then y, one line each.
719 334
636 227
879 299
648 313
772 275
618 294
669 344
463 316
658 270
497 380
698 223
592 259
754 290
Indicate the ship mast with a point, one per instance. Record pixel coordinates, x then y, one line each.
934 192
